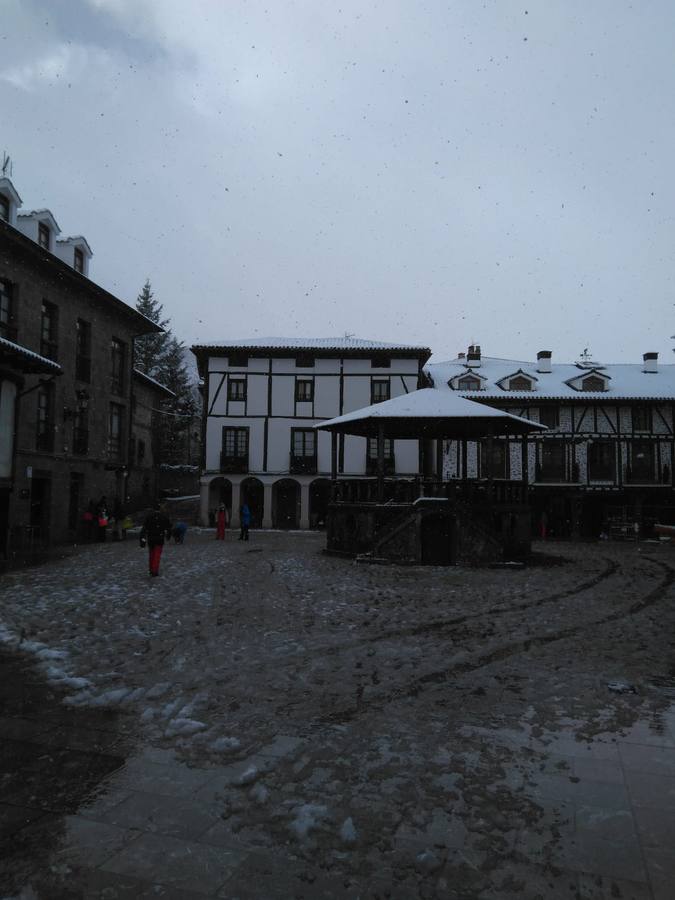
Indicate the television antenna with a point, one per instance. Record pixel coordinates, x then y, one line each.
6 167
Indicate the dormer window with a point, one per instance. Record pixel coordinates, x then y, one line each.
592 383
520 383
43 235
78 260
468 383
4 207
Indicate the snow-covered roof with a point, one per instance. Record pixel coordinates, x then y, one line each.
40 214
299 343
27 359
624 380
76 239
432 413
152 382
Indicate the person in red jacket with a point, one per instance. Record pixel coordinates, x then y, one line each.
155 528
221 522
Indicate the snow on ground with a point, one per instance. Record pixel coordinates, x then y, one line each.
368 714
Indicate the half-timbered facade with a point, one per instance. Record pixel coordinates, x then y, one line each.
609 452
261 401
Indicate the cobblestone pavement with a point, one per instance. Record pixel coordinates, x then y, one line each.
263 721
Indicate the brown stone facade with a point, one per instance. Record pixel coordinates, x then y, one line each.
72 431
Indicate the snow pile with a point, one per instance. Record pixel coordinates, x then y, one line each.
181 726
308 817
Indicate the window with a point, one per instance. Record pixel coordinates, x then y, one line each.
496 465
45 418
548 416
82 350
236 389
520 383
48 331
551 461
304 361
4 207
468 383
602 461
140 451
78 260
380 362
7 321
641 462
593 383
304 390
43 235
238 360
115 420
642 418
388 448
234 453
371 456
379 390
81 433
118 357
303 442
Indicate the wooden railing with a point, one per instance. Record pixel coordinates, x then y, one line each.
365 490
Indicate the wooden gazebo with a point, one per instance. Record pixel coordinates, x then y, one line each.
427 414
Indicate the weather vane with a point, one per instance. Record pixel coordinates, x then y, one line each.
7 166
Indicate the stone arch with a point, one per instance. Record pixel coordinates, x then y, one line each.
286 503
252 492
220 491
319 498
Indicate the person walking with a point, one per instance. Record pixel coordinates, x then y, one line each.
155 528
221 522
245 520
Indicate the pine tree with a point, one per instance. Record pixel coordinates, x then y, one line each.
176 428
162 357
151 349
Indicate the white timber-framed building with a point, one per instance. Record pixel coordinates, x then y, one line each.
262 398
610 447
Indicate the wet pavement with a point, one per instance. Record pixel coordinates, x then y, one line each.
263 721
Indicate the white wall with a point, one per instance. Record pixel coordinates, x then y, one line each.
286 414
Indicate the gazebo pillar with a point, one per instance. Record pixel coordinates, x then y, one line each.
439 459
487 456
380 463
524 460
333 456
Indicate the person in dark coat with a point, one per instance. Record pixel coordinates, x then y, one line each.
179 532
155 528
245 521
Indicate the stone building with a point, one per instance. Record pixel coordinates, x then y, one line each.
607 459
71 432
147 397
261 401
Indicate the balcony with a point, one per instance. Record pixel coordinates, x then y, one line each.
641 475
302 465
44 440
231 465
80 441
8 332
83 368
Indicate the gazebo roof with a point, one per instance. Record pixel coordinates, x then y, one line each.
430 413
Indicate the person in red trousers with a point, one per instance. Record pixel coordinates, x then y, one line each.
155 528
221 522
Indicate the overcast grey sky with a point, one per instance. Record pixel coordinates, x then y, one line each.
439 172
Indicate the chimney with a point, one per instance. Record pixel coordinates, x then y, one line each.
650 362
473 357
544 361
